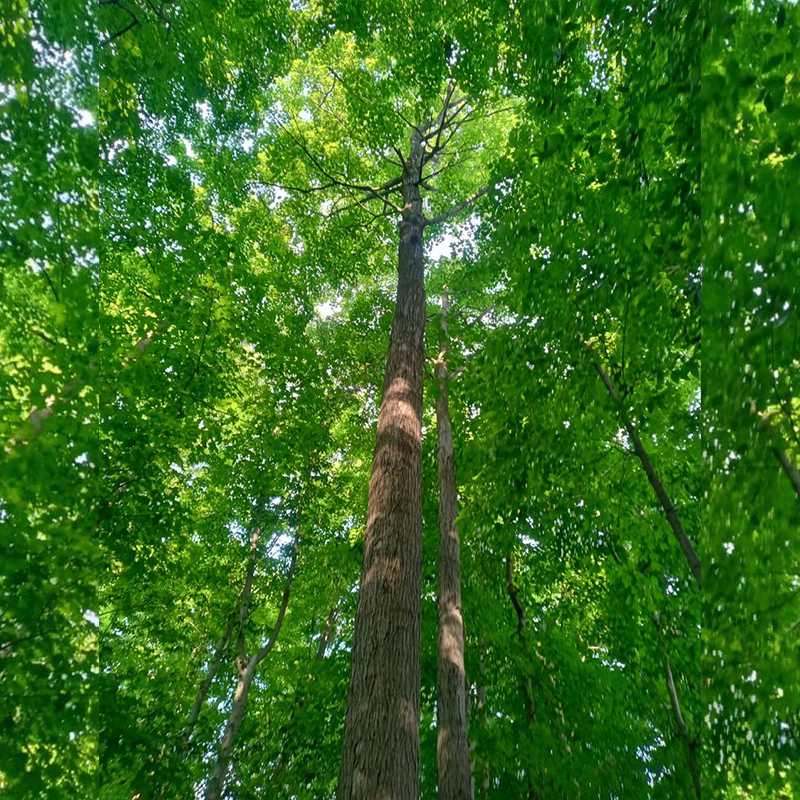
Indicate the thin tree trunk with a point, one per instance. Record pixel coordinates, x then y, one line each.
380 758
526 684
683 731
451 702
217 781
247 670
285 755
247 590
789 468
513 592
652 476
205 686
691 756
767 428
327 634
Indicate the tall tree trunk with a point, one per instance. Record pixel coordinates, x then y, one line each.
669 509
451 702
247 670
380 758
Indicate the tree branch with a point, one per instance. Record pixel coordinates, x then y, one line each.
132 24
788 467
264 651
652 476
247 591
456 209
205 686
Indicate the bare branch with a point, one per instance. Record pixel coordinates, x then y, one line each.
438 171
372 192
318 164
456 209
43 335
440 119
658 487
133 23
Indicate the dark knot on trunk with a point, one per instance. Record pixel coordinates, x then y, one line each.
411 229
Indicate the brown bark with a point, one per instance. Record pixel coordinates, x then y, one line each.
247 670
451 701
669 509
380 758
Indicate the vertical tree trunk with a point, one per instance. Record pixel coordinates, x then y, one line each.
217 781
652 476
451 703
247 670
247 590
205 686
791 471
683 731
380 758
526 684
327 634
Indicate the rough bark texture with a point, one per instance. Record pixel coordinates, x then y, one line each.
451 702
652 476
380 758
247 670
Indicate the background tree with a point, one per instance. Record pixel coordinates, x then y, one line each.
750 110
48 399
